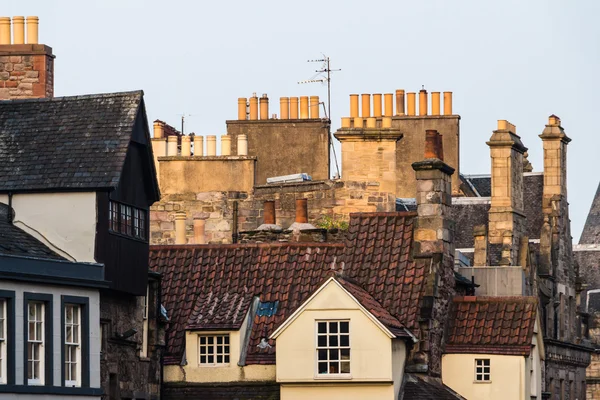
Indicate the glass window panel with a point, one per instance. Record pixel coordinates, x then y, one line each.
202 340
322 327
333 327
202 350
211 359
219 339
333 341
322 341
345 354
334 368
220 349
38 331
227 339
32 331
344 327
211 340
334 354
344 340
322 367
203 359
322 354
226 349
226 359
345 368
219 359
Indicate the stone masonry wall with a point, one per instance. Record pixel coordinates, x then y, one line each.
335 199
26 71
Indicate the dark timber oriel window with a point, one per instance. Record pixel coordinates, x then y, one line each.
127 220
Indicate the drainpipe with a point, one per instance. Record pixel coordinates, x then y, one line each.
9 214
234 234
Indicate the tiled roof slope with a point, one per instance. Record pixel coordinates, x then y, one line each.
16 242
591 229
374 259
491 325
77 142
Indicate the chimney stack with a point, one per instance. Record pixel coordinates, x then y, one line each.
480 236
555 142
506 215
28 66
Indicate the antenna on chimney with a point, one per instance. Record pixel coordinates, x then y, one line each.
183 121
325 69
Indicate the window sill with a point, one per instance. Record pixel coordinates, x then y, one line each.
213 365
122 235
338 377
482 381
56 390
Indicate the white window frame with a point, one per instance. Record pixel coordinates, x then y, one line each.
225 353
144 349
483 369
73 344
36 343
3 339
328 347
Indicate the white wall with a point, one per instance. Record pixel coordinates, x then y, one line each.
65 222
56 292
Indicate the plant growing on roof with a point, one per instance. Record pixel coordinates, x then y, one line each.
329 222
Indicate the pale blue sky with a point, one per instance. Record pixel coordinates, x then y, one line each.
509 59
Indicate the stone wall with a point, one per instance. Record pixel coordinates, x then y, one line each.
26 71
285 147
335 199
124 374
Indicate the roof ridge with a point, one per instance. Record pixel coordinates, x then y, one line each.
76 97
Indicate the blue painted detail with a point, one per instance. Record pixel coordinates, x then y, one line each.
267 308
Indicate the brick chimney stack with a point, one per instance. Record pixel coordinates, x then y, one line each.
506 216
26 67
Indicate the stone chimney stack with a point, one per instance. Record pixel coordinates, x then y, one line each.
26 67
506 216
433 250
555 142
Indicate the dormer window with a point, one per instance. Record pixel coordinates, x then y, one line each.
214 350
333 348
127 220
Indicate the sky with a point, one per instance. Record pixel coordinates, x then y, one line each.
503 59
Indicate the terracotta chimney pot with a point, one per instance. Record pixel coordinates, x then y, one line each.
301 211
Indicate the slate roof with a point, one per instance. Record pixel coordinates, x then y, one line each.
591 229
491 325
417 388
221 391
16 242
69 143
374 262
480 184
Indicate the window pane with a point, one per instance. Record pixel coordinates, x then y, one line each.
345 354
322 341
334 368
227 339
322 367
344 327
334 354
211 340
226 359
38 331
227 349
345 368
219 359
322 327
219 349
219 339
203 359
333 327
202 350
32 331
211 359
202 339
333 341
322 354
344 340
